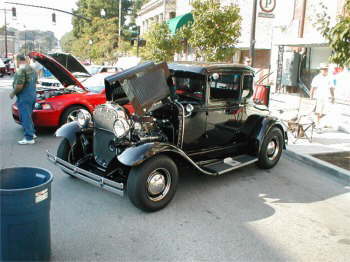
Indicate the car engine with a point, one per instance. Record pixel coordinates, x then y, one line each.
45 93
115 130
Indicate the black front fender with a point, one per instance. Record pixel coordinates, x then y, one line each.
69 131
135 155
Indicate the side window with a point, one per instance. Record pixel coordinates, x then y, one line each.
225 86
247 86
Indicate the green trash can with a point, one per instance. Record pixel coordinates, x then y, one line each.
25 195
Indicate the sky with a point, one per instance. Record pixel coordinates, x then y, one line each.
41 19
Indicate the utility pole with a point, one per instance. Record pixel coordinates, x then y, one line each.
120 23
252 35
302 20
5 30
138 41
164 10
5 34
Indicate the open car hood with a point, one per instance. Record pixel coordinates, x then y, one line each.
69 62
144 85
58 70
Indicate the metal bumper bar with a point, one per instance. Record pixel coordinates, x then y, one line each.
87 176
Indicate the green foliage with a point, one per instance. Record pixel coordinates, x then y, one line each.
339 42
98 39
337 35
161 45
215 29
67 41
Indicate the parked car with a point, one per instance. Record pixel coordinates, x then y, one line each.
196 114
9 66
2 68
71 64
96 69
58 105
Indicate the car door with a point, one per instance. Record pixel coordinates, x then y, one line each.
225 113
190 95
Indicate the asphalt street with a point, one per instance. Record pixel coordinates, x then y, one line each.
289 213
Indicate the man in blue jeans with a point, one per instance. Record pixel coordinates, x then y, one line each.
24 87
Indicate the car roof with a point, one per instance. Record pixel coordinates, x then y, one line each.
204 67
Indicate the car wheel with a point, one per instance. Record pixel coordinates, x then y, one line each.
71 114
64 151
152 185
271 149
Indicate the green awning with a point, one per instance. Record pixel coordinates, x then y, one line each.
177 22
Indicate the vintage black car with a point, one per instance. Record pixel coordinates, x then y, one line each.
199 114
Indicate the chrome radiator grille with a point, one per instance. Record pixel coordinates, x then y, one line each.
104 139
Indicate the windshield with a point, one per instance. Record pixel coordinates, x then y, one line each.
96 83
189 84
93 69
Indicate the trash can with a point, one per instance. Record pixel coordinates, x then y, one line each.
25 195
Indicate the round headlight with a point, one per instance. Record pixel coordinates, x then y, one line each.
84 118
121 127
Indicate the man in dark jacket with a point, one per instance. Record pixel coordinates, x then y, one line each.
24 87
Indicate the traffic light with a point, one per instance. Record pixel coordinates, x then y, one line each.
14 14
53 18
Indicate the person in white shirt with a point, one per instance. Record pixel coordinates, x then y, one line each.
321 89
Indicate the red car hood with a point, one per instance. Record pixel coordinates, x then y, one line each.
59 71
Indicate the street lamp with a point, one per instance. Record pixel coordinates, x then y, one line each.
120 23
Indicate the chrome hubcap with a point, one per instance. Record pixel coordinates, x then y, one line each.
158 184
272 148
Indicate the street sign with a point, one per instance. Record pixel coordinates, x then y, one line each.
266 15
267 7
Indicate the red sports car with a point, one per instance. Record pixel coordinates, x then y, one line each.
57 106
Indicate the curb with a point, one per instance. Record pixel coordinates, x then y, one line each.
332 170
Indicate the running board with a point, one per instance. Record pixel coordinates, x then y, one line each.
229 164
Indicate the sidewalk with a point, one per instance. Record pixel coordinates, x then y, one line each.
335 137
336 133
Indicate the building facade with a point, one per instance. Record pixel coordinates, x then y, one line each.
299 42
155 11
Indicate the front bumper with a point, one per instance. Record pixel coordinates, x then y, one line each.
96 180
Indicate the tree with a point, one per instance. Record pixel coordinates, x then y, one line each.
338 35
215 29
97 39
160 44
67 41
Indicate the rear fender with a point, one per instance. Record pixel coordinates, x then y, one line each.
69 131
260 126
